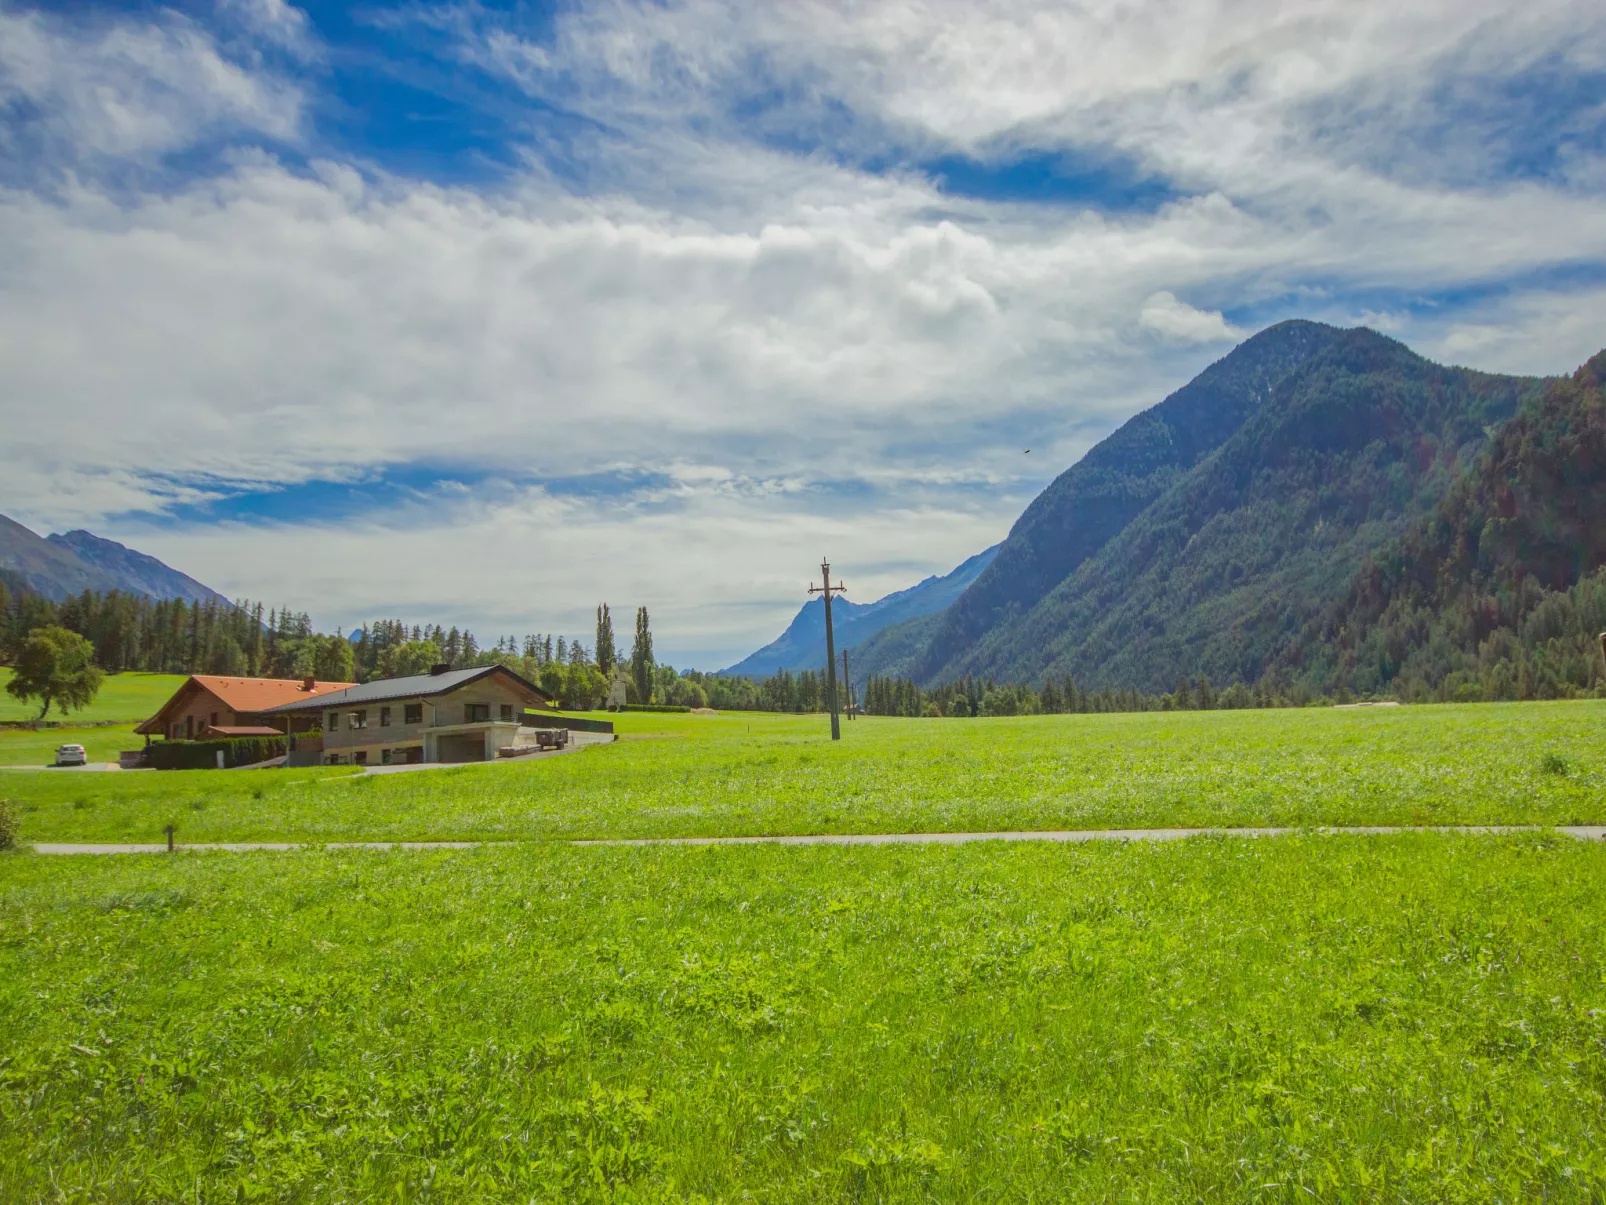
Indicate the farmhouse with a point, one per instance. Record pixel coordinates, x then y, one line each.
447 715
208 706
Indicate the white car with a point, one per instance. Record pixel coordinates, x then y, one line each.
71 755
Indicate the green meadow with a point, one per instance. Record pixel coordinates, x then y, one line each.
37 747
129 697
123 701
690 775
1406 1018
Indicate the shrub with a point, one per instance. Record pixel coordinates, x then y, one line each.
202 755
652 707
9 824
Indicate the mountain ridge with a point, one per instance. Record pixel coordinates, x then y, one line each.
1095 498
61 565
1313 447
802 645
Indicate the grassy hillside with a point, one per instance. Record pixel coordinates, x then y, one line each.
686 775
129 697
1342 1019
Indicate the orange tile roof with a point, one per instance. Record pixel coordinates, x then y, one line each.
259 694
246 695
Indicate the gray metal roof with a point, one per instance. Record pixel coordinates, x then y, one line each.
417 686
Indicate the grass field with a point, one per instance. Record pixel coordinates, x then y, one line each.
130 697
30 747
681 775
1410 1018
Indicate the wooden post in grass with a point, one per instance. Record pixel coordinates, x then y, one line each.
169 831
827 589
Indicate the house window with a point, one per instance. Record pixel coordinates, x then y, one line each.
476 713
334 759
414 713
507 712
384 717
334 721
359 719
213 720
384 757
360 757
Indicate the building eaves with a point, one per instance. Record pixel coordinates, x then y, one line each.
418 686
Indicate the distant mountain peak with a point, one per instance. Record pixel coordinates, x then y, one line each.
802 645
58 566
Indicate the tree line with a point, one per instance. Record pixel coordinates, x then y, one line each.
973 696
131 632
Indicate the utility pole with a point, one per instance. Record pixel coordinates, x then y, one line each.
847 682
826 589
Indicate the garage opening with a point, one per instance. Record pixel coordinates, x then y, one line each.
457 748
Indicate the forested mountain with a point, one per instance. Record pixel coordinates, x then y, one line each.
1257 559
61 566
1501 591
802 646
1095 499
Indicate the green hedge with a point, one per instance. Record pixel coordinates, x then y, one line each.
202 755
651 707
9 823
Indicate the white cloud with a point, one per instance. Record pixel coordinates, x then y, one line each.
281 24
756 326
1175 319
129 90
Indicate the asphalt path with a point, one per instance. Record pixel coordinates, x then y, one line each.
1586 832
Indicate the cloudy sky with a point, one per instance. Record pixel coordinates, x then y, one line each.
485 314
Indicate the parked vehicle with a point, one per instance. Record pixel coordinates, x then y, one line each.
71 755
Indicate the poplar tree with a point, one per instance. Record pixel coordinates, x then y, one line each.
641 657
605 642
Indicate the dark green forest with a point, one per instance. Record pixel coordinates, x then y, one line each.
1500 593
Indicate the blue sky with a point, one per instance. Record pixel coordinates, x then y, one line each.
483 314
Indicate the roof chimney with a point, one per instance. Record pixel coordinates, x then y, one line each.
308 683
441 668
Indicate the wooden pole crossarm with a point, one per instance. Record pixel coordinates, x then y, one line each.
825 589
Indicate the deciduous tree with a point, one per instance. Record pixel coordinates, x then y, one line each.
55 666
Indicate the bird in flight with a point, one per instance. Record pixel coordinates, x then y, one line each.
1028 452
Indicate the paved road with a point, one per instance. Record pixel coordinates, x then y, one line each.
92 766
1588 832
